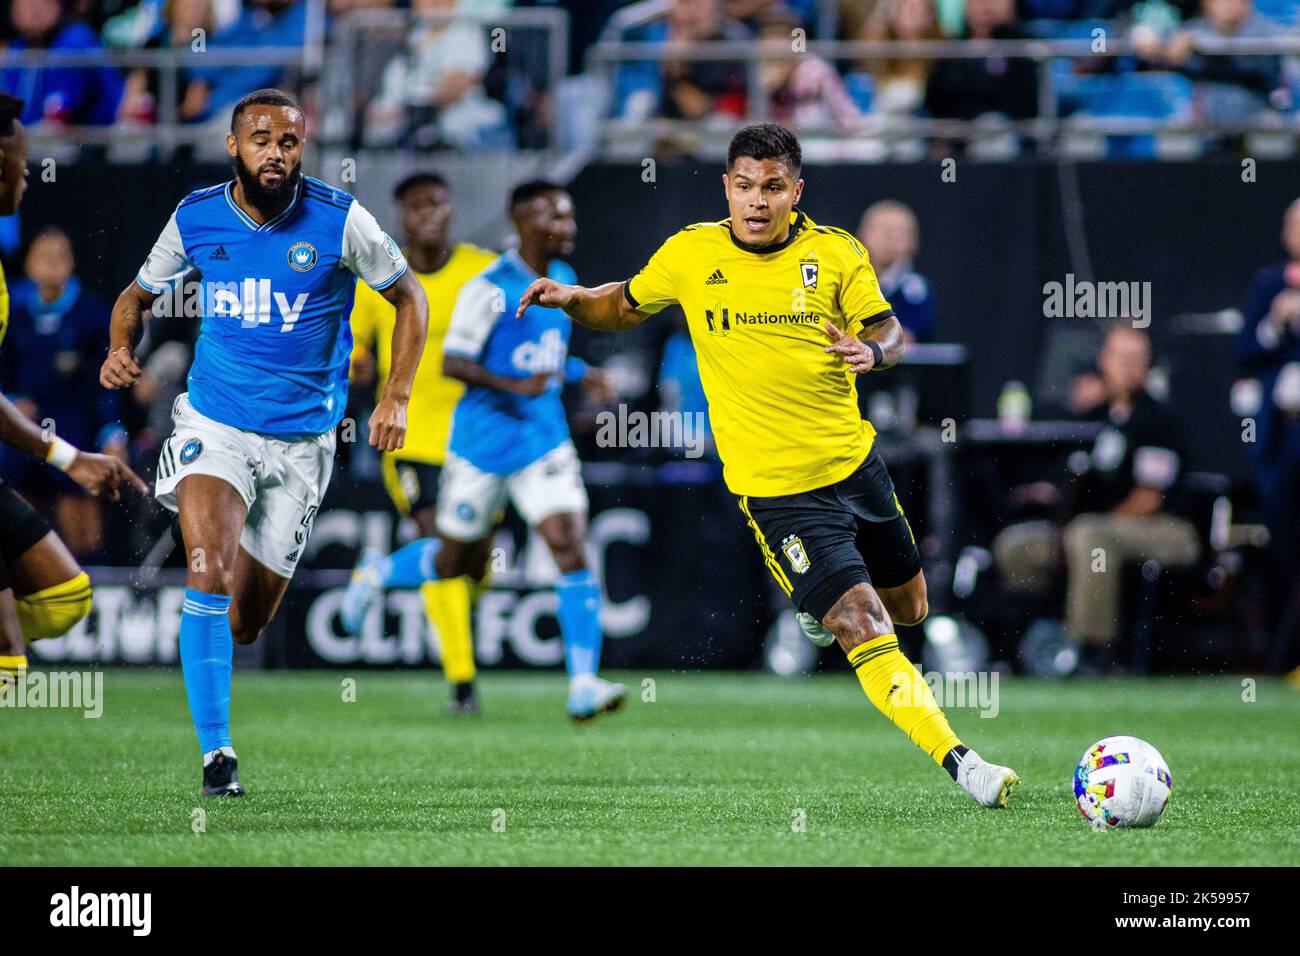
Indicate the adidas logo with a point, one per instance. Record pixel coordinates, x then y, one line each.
219 255
716 279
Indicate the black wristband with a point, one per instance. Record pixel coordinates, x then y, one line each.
877 351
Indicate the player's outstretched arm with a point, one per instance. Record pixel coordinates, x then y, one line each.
604 308
878 347
388 421
98 474
121 369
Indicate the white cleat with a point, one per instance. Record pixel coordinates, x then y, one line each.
815 630
367 583
590 696
988 783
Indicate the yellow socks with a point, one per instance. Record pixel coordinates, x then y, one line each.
447 606
54 611
12 669
900 693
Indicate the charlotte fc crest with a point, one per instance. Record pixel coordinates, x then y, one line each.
302 256
796 555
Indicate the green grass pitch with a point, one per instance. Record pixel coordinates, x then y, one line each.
718 769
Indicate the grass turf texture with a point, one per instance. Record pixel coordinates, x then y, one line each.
714 771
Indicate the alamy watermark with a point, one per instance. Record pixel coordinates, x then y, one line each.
73 690
686 431
1083 299
977 690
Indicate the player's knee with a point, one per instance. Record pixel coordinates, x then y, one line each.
54 611
857 617
211 575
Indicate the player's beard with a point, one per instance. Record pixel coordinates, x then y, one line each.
270 202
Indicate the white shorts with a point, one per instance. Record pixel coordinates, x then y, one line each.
281 482
470 501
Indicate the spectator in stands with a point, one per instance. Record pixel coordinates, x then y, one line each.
700 88
179 25
210 90
753 13
892 237
1229 89
1268 349
432 96
969 89
70 95
1122 508
804 92
900 84
58 333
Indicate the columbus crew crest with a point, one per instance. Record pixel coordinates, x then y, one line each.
795 554
808 273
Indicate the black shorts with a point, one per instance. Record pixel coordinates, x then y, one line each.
413 485
21 527
820 543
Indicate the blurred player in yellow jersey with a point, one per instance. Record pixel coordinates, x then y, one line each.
411 474
43 591
785 314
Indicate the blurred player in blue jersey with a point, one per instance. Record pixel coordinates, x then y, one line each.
273 257
509 434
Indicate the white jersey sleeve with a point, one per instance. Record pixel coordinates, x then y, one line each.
479 307
166 262
369 253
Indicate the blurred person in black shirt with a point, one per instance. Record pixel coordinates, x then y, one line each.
1120 508
969 89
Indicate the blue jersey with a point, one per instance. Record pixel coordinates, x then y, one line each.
274 345
497 431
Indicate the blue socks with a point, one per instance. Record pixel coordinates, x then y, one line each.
206 653
580 622
411 565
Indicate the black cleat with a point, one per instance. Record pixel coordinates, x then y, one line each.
221 777
464 702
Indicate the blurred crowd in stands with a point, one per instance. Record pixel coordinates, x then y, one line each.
447 83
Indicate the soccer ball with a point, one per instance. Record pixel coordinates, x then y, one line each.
1122 782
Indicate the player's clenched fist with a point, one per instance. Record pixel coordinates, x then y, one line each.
545 292
120 369
103 475
388 425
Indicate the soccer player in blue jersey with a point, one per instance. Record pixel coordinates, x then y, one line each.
509 434
274 256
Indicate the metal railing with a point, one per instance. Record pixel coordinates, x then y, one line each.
607 56
314 65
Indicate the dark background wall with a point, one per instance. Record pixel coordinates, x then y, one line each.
989 242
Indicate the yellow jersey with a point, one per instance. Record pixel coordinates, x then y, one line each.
784 412
433 395
4 305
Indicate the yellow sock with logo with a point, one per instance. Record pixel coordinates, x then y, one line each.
899 692
447 606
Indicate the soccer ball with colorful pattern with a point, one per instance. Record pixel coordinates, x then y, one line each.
1122 782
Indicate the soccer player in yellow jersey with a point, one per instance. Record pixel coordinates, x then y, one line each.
412 473
785 314
43 591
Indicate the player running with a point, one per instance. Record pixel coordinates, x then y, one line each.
510 437
279 254
784 313
411 474
43 591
